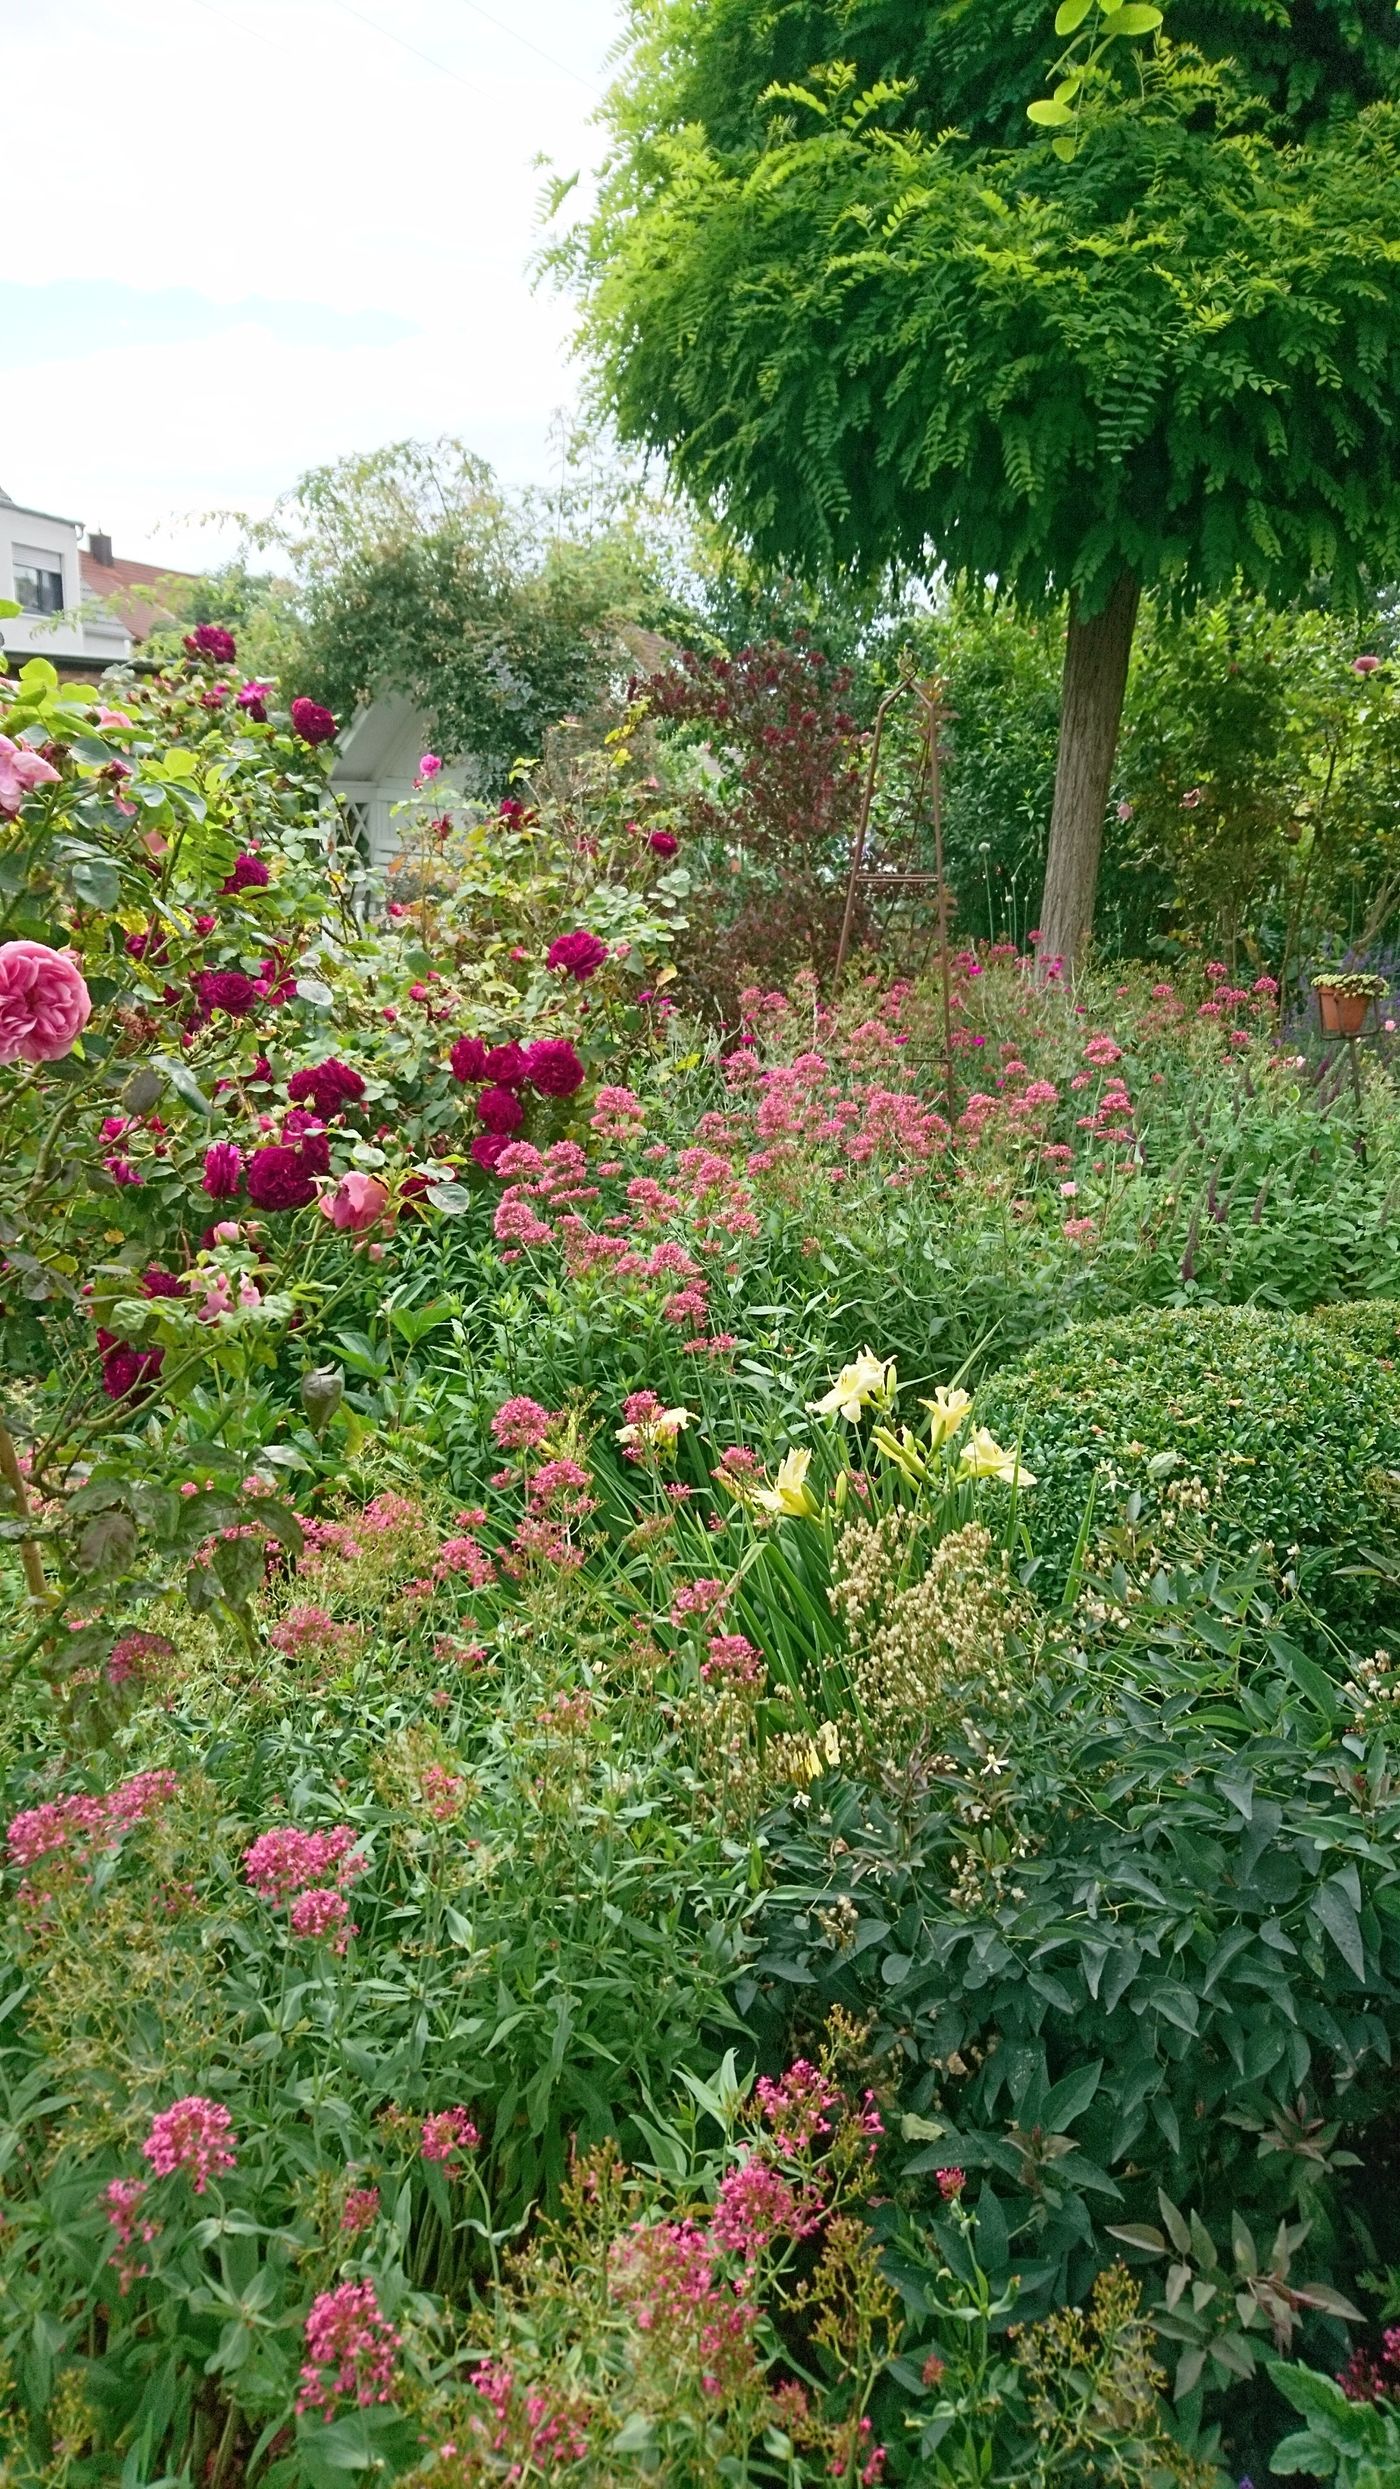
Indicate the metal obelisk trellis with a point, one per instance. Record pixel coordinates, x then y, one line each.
890 860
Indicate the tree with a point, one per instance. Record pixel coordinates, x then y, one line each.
417 573
873 318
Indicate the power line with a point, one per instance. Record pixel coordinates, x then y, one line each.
536 48
403 43
433 63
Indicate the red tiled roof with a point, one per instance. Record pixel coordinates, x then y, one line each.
132 589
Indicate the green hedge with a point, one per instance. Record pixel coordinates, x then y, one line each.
1291 1421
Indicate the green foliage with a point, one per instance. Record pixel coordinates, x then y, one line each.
495 614
1291 1432
1263 776
873 338
1355 2444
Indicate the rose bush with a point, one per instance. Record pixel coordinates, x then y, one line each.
211 1030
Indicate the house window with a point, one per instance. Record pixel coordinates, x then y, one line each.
38 580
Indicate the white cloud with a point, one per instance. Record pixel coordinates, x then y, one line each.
281 152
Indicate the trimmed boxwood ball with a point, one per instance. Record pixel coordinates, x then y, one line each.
1292 1422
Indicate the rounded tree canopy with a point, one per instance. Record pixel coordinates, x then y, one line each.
871 318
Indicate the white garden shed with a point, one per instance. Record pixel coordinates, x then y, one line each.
375 768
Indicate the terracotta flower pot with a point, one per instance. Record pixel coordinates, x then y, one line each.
1343 1015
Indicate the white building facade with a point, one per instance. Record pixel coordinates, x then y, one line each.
41 572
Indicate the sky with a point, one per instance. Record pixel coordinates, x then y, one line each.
248 236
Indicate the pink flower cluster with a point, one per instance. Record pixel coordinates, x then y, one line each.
124 2198
528 2427
73 1829
351 2350
195 2135
520 1425
287 1861
734 1664
756 2205
446 2133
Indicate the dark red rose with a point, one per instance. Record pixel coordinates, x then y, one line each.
223 1171
552 1067
662 843
123 1368
313 723
226 989
279 1179
329 1086
468 1060
500 1110
210 639
302 1131
577 954
262 1069
487 1148
249 873
505 1064
156 1282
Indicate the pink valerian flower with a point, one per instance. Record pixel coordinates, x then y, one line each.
446 2133
796 2105
324 1915
562 1485
690 2316
1079 1231
287 1861
463 1555
360 2211
194 2134
951 2183
617 1114
80 1825
1103 1050
517 1223
1373 2376
123 2198
309 1629
520 1425
756 2205
443 1792
44 1001
698 1598
578 954
128 1655
351 2350
21 770
734 1663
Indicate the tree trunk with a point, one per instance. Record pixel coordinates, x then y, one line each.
1091 706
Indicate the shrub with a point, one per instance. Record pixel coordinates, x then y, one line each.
1286 1427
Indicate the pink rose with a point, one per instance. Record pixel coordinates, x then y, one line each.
43 999
20 769
358 1201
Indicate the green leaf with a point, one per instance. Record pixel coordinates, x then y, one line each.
1070 2097
1336 1912
1134 18
1070 15
106 1542
182 1080
451 1199
1047 114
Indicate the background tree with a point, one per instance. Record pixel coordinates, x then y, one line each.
411 570
874 320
